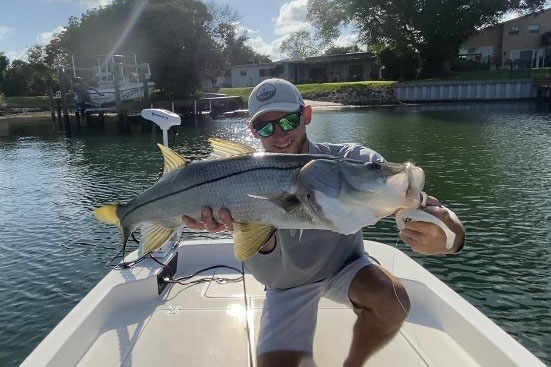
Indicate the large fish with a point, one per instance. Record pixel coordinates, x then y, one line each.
266 191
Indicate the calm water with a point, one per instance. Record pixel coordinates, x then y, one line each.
491 163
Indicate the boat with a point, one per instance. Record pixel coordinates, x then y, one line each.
134 317
102 93
192 303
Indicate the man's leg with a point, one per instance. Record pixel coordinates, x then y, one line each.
287 325
279 358
380 313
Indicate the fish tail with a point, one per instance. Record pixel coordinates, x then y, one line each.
108 214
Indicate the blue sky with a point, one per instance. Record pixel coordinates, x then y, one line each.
24 23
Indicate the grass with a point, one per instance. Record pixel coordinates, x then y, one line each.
28 102
305 89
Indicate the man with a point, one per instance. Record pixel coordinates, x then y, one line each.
300 267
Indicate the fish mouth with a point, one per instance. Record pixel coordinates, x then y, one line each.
416 182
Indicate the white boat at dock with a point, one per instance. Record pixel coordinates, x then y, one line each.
133 318
130 85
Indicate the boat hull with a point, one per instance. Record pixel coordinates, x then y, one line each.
125 321
100 97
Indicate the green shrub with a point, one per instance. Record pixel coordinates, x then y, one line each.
398 65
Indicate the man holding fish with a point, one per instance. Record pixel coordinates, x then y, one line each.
299 266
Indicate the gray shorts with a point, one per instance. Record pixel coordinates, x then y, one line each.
289 315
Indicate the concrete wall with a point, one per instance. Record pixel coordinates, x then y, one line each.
465 91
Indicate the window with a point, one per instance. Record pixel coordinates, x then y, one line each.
243 72
513 30
264 72
534 29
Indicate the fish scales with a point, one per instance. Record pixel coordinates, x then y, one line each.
229 183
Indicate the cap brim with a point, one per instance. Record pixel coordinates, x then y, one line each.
279 107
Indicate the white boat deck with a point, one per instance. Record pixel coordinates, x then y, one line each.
124 322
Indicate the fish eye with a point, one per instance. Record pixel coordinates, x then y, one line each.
376 166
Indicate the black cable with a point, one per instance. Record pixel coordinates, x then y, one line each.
117 255
206 269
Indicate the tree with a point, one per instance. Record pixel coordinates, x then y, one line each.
339 50
173 36
184 41
398 65
4 63
299 43
433 29
232 42
17 79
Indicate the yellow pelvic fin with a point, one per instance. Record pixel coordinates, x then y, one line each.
108 214
154 236
224 148
172 159
248 238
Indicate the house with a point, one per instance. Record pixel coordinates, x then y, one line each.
516 42
316 69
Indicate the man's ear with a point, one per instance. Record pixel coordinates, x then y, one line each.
307 113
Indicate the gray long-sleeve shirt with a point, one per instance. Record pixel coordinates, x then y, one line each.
310 255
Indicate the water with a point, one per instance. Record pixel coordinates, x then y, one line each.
489 162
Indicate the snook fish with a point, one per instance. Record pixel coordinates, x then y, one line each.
266 191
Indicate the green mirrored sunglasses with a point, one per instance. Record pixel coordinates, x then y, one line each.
286 123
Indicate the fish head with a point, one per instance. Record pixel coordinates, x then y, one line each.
348 194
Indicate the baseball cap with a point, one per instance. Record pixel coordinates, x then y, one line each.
274 95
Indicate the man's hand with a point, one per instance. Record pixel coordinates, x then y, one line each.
428 238
209 223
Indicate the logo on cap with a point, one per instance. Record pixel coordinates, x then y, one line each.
265 92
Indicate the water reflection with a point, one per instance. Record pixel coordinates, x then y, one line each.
489 162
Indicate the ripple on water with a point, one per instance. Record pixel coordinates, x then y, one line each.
475 158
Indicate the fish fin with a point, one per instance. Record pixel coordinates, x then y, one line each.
224 148
287 202
248 238
154 236
108 214
172 160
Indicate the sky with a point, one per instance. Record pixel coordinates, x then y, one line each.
24 23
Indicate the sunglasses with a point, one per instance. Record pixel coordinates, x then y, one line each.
286 123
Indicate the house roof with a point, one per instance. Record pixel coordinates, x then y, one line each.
317 59
534 14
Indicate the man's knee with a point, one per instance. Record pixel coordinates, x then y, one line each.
380 293
279 358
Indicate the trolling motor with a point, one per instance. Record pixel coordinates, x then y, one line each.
165 120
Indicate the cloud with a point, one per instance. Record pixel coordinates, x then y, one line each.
88 3
292 18
258 44
95 3
45 37
5 31
345 40
17 55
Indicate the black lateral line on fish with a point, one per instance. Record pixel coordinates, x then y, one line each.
211 181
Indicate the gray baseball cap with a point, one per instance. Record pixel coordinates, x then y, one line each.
274 95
